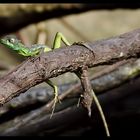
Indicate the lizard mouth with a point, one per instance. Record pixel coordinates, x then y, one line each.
2 41
6 43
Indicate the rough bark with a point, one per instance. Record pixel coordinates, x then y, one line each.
37 69
109 78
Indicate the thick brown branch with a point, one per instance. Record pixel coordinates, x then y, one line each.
111 77
35 70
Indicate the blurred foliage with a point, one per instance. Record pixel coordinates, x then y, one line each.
11 9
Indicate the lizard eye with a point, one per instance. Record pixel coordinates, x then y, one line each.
12 40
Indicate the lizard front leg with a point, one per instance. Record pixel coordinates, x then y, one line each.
56 44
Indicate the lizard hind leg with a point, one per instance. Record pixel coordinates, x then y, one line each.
57 40
56 99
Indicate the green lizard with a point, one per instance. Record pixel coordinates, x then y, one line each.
13 43
16 45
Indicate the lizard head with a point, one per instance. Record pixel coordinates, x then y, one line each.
11 41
